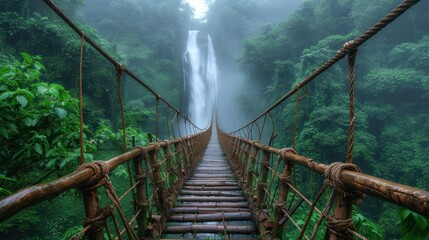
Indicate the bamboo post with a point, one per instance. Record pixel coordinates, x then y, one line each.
170 170
342 211
179 162
245 164
263 183
92 209
158 183
186 163
140 201
251 170
281 201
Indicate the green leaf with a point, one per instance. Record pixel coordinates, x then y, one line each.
421 221
4 133
27 57
61 112
50 163
38 148
42 89
4 192
4 178
6 95
12 127
30 122
22 100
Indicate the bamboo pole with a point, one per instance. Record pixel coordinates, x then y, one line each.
211 217
140 201
282 199
212 228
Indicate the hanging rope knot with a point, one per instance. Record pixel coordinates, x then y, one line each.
119 68
100 177
342 228
333 178
350 47
142 149
254 142
157 146
283 151
98 222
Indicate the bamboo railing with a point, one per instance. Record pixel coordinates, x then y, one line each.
257 175
165 165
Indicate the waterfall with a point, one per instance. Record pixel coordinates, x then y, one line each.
201 79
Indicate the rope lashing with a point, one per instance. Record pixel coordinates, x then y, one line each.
333 179
100 177
343 229
98 222
283 151
157 146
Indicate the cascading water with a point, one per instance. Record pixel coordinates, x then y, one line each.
201 82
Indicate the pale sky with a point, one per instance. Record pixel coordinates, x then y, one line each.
199 6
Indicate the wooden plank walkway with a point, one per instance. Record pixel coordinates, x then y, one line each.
211 205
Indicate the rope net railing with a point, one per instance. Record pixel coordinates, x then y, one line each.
292 195
159 171
143 180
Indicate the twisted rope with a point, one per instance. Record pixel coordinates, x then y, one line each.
350 47
333 179
82 154
101 178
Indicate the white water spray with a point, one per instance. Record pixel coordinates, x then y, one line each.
201 75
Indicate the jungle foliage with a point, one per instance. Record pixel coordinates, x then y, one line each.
39 73
392 84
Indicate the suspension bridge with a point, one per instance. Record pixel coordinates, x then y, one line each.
217 185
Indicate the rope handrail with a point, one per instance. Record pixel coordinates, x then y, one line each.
258 175
17 201
403 195
117 64
340 54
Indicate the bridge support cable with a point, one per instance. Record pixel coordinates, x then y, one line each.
345 178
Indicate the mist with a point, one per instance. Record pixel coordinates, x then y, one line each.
230 23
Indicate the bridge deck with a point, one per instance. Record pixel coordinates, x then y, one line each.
211 205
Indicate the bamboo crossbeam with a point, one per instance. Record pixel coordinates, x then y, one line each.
210 199
214 204
206 210
211 183
196 188
212 193
210 228
215 217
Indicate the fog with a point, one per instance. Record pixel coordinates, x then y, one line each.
230 23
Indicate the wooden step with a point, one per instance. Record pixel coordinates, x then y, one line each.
207 209
210 228
210 199
214 204
212 193
211 217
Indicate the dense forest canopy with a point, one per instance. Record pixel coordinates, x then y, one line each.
263 48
